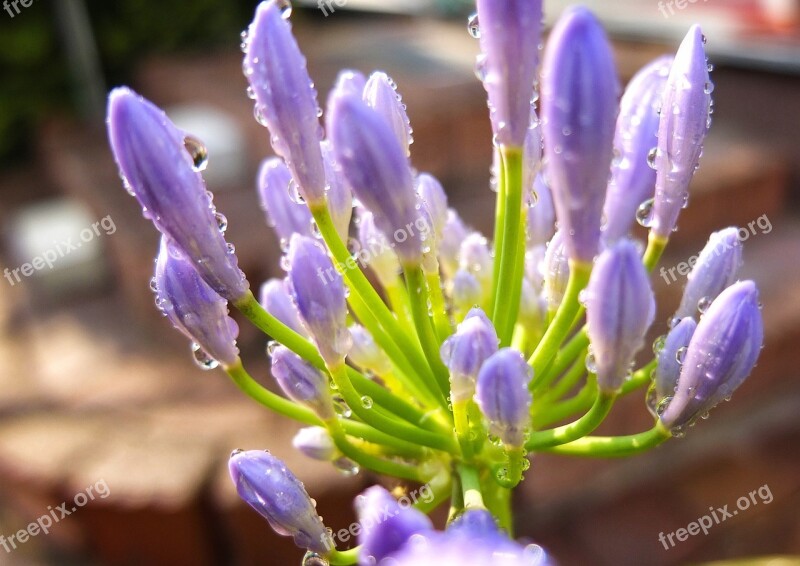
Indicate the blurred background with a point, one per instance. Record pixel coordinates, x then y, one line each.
97 390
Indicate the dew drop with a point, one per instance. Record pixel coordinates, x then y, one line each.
202 359
703 304
680 355
708 88
314 559
473 26
591 363
222 222
231 248
651 157
662 405
294 192
154 285
285 263
346 466
480 67
644 214
250 92
285 7
366 402
197 151
258 114
673 322
272 345
658 344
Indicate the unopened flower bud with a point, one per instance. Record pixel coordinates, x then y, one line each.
620 307
380 94
555 270
541 214
284 213
504 398
301 382
316 443
365 353
286 101
277 301
376 250
268 486
449 247
474 341
721 354
670 357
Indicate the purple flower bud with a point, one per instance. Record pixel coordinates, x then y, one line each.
267 485
541 214
385 525
475 257
504 398
450 243
350 81
316 443
365 353
673 350
378 172
339 195
720 355
301 382
620 307
685 120
578 126
474 341
158 170
377 250
466 290
716 269
194 308
286 101
380 94
510 33
435 201
532 306
534 262
277 301
556 270
632 177
284 214
319 294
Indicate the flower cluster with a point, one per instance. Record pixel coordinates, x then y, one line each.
463 360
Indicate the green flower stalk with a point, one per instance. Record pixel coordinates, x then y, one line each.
465 355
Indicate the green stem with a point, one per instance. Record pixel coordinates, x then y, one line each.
284 407
562 323
415 282
400 429
614 446
471 487
568 354
567 381
508 276
580 403
655 247
344 557
569 432
440 319
461 419
499 228
514 467
360 285
642 376
362 458
398 299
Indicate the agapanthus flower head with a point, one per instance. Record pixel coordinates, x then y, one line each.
269 487
365 353
669 358
159 171
685 120
276 193
474 341
316 443
721 354
633 178
277 301
339 196
194 308
504 398
578 125
378 171
510 33
318 292
285 99
380 94
541 214
385 525
620 307
716 269
378 252
301 382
